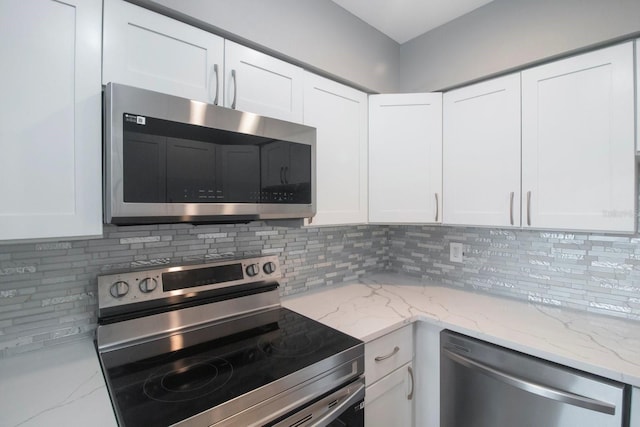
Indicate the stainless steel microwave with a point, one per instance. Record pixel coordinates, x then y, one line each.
169 159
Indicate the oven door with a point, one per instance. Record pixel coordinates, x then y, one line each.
342 408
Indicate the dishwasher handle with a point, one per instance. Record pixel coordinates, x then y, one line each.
532 387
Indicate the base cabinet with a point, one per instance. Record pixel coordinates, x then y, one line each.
389 402
390 380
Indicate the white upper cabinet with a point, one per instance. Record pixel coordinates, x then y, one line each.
578 165
261 84
151 51
481 154
339 113
50 119
405 158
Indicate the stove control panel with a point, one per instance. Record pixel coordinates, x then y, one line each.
134 287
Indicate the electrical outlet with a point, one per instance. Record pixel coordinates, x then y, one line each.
455 252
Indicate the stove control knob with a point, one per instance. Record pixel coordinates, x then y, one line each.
253 270
147 285
119 289
269 267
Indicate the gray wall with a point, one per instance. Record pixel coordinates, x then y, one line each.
509 34
316 33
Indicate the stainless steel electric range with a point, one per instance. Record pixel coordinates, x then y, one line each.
210 345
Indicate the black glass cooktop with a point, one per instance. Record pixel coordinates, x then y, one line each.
170 383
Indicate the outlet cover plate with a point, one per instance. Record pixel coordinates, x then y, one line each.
455 252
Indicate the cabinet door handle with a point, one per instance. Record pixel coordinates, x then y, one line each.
410 396
215 73
437 207
235 88
511 196
529 208
381 358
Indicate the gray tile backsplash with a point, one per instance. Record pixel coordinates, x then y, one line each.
597 273
48 290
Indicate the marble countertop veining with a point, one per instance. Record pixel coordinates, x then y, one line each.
56 386
376 305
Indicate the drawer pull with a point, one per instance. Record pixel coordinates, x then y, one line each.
410 396
381 358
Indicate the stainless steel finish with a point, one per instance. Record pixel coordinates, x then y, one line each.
528 207
319 413
328 409
489 386
215 72
114 336
118 289
285 394
235 88
135 294
410 396
120 99
147 285
437 207
511 197
385 357
532 387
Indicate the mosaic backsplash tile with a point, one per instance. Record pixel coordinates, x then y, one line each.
597 273
48 291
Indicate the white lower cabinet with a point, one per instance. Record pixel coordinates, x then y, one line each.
50 119
389 402
390 380
635 407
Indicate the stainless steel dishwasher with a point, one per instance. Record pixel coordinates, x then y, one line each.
483 385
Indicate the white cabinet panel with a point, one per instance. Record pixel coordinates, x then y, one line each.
638 94
635 407
151 51
578 166
405 158
261 84
389 402
50 126
481 154
339 113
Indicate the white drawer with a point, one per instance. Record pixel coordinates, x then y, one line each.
387 353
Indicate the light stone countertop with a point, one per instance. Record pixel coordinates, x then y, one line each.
56 386
602 345
63 385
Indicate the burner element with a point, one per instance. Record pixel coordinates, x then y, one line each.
194 378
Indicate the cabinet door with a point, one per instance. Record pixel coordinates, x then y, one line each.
261 84
339 114
150 51
405 158
389 402
578 162
638 95
50 127
481 154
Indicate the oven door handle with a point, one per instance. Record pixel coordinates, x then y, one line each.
337 410
341 400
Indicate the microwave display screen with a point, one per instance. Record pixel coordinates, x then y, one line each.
171 162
